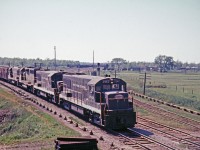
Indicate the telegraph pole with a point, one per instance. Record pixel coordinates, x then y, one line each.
55 56
145 78
93 60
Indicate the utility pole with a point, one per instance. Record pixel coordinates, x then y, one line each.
145 78
55 56
93 60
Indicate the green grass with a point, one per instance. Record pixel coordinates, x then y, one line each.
24 123
182 89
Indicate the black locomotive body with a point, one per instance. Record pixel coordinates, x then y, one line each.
102 100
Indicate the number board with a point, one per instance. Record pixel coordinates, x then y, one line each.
119 96
106 81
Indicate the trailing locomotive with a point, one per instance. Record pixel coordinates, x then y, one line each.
102 100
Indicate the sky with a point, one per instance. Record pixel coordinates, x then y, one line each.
135 30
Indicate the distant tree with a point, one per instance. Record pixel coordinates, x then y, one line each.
160 60
198 66
133 64
127 65
118 63
192 65
169 63
178 64
185 64
164 62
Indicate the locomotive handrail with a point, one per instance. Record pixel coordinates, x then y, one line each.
100 105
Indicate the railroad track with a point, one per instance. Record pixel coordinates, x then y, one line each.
170 115
140 141
63 115
135 140
189 141
159 101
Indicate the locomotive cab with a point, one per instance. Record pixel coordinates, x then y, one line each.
116 110
119 111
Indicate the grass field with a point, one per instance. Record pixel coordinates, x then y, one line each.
181 89
25 123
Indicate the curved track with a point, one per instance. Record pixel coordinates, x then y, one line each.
186 139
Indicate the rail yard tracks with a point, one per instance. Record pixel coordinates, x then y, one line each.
134 139
139 141
185 139
159 101
169 115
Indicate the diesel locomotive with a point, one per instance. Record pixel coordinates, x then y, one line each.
101 100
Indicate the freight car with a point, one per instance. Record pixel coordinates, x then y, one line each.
101 100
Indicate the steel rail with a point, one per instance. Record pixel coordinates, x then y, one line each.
181 139
165 111
148 138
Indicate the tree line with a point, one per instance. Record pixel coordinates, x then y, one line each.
32 62
161 63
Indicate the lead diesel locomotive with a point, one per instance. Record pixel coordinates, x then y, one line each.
102 100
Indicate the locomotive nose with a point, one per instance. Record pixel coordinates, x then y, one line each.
120 120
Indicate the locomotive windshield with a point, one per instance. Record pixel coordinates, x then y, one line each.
117 101
109 85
